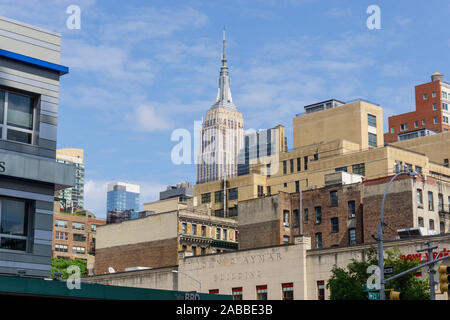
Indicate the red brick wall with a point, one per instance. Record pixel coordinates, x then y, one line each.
154 254
321 197
259 235
424 111
398 207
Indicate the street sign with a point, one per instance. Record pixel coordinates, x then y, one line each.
371 287
374 296
388 270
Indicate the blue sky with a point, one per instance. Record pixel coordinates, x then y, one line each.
140 69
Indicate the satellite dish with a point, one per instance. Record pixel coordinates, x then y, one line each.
111 270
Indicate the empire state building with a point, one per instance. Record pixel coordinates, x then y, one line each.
221 135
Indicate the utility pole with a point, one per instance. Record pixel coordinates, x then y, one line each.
431 270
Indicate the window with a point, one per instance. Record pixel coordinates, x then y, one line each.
351 209
16 117
13 224
433 94
352 236
218 233
284 167
425 96
224 234
194 229
59 235
430 201
445 119
61 248
219 213
286 218
321 290
305 162
292 165
392 129
233 194
316 156
334 224
79 237
261 292
183 227
60 223
285 239
372 140
218 196
260 191
341 169
445 106
359 168
77 226
334 198
285 185
403 127
318 215
318 238
214 291
442 227
419 169
306 215
435 120
372 120
236 293
202 251
288 291
440 202
194 250
434 106
419 198
420 222
206 197
431 223
183 248
269 190
78 250
423 122
296 221
93 227
297 186
416 124
203 231
446 162
299 164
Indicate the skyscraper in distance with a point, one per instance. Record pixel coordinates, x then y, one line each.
122 196
72 198
221 135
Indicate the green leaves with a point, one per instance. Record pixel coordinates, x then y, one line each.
60 265
348 283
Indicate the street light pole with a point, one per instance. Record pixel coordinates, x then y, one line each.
380 234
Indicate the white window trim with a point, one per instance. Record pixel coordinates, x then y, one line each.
4 126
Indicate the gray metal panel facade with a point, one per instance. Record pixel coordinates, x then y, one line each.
31 171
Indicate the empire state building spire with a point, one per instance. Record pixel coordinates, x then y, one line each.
224 98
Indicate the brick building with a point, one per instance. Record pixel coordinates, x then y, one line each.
346 212
154 241
74 235
431 115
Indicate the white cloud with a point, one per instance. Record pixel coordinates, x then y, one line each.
147 118
95 194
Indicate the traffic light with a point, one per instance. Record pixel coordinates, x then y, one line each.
395 295
444 278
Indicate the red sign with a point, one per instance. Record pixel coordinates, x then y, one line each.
419 256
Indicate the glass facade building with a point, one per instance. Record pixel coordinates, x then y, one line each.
122 196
